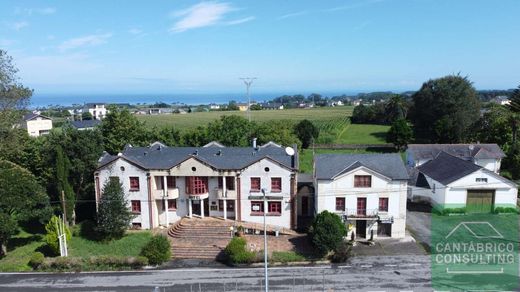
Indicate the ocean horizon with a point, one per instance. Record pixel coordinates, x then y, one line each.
62 99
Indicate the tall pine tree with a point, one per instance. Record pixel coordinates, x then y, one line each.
63 185
113 216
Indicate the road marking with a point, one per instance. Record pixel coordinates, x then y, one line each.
410 265
366 266
344 267
390 265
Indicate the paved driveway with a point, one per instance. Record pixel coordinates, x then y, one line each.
418 223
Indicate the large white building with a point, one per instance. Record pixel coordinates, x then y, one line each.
452 182
367 190
163 183
36 124
97 110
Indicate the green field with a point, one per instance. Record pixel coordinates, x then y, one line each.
323 117
363 134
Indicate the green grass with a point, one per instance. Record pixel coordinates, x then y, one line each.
323 117
286 257
130 245
363 134
23 245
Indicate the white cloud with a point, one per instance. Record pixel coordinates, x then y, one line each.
241 20
135 31
47 10
294 14
18 25
84 41
204 14
31 11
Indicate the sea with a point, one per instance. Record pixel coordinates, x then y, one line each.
60 99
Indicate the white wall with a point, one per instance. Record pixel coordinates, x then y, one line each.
38 124
258 170
490 164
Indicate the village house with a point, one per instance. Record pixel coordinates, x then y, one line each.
272 106
85 124
164 184
36 124
367 190
97 110
449 181
243 106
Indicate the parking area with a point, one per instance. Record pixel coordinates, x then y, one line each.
418 223
388 247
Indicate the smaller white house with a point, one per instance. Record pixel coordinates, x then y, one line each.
367 190
451 182
97 110
37 124
488 156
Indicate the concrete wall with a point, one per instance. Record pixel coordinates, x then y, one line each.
36 125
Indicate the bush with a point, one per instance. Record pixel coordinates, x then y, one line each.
286 256
157 250
341 253
92 263
236 251
499 210
36 260
326 232
51 238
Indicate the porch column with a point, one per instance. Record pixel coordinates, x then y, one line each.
165 196
189 208
201 208
225 209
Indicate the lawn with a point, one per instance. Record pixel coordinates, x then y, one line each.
23 245
363 134
323 117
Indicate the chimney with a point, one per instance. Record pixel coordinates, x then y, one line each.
254 143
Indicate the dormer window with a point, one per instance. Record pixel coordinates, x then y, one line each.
481 180
362 181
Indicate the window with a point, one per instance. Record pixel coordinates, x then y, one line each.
383 204
134 183
340 204
255 184
114 178
481 179
257 207
276 184
362 181
275 207
230 183
136 225
362 206
170 182
159 183
136 206
196 185
172 204
230 205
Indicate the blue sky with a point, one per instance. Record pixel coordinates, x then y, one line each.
291 46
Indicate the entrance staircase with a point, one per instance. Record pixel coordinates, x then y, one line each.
200 238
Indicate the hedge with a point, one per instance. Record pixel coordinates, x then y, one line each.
63 264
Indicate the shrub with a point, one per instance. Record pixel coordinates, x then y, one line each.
448 211
157 250
341 253
236 251
92 263
286 256
36 260
499 210
326 232
51 238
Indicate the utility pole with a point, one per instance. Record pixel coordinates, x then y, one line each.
248 81
265 243
63 206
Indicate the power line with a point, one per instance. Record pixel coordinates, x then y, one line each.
248 81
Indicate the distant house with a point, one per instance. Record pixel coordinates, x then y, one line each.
367 190
85 124
154 111
272 106
485 155
214 106
97 110
242 107
356 102
448 181
501 100
36 124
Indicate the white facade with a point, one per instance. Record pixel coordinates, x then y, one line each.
230 199
98 111
454 194
394 191
38 125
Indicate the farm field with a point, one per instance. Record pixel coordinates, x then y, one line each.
321 116
363 134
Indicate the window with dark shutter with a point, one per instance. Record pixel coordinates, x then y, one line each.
274 208
255 184
257 207
172 204
136 206
340 204
362 181
383 204
170 182
276 184
134 183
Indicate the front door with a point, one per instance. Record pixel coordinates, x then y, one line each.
361 228
206 207
305 206
195 207
362 206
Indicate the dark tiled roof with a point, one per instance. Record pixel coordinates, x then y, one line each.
28 117
85 124
232 158
466 151
328 166
446 168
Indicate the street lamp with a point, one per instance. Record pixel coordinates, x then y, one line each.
265 243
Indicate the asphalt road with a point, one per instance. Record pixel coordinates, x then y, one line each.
399 273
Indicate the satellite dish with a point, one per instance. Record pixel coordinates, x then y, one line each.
289 151
471 147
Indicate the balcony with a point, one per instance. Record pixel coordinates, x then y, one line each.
170 194
359 213
227 194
